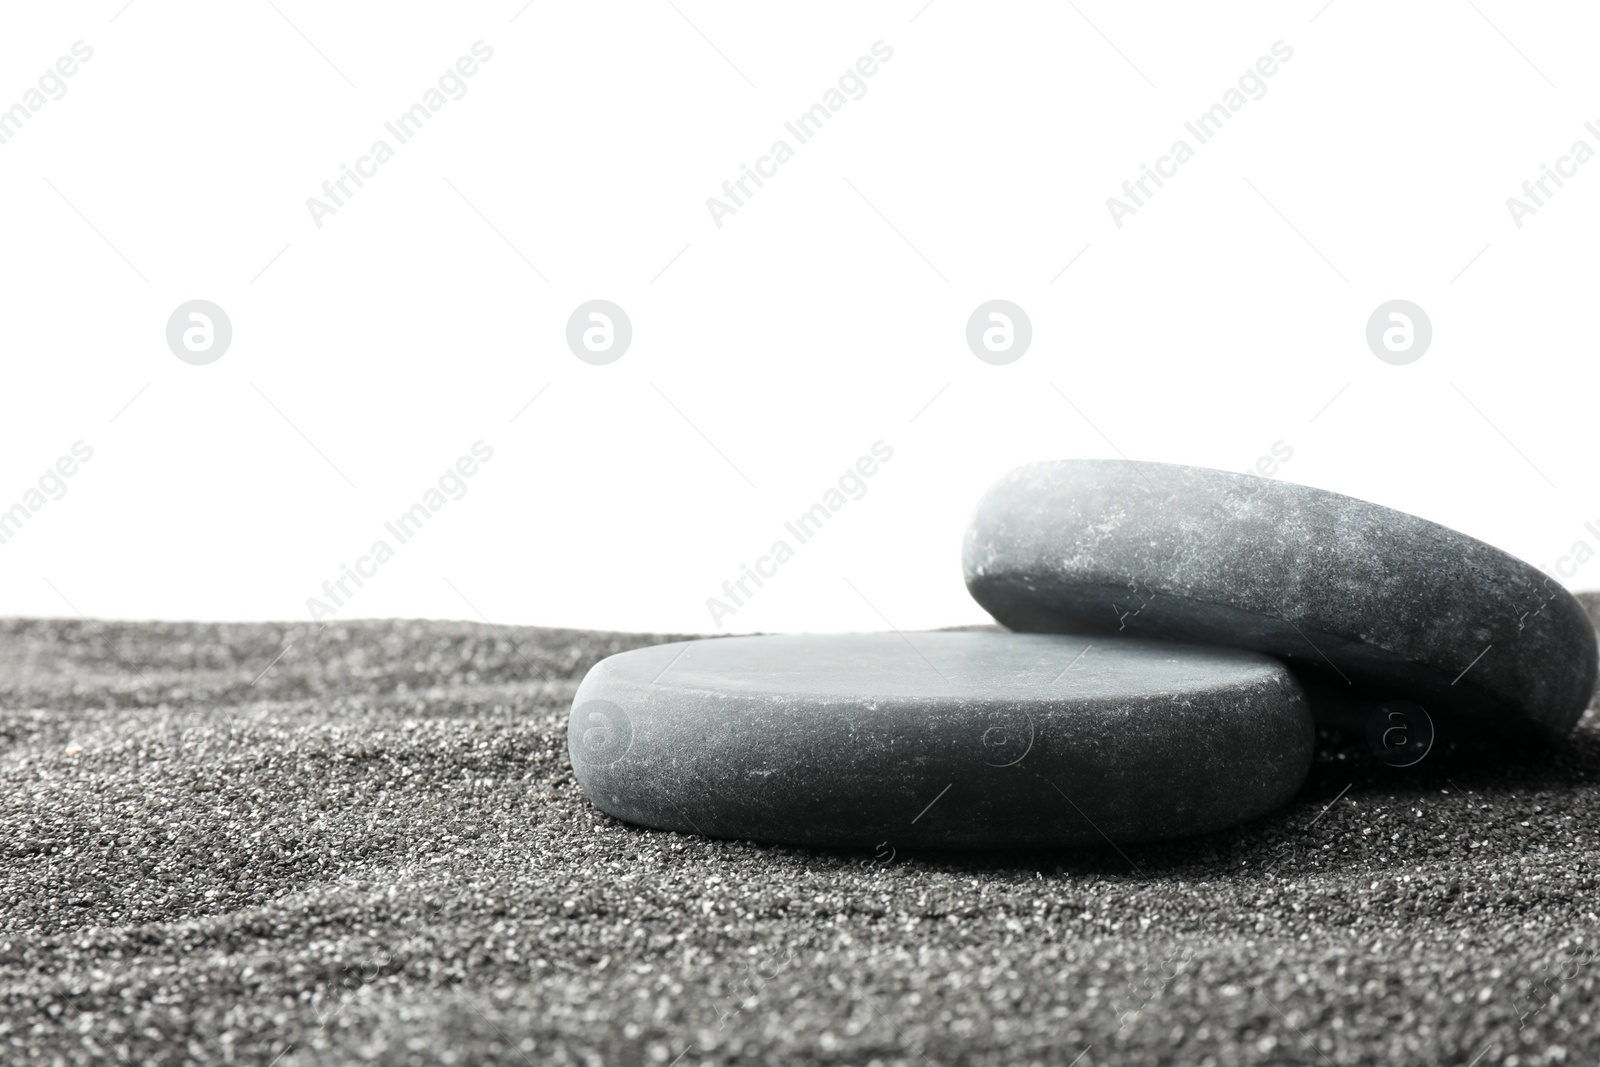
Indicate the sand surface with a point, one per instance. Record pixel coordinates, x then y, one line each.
375 850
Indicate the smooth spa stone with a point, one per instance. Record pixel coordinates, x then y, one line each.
1365 602
942 739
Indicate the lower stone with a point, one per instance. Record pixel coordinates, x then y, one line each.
939 739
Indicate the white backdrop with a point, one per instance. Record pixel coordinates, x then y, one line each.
376 343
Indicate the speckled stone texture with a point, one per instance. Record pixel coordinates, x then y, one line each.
376 853
1361 599
939 739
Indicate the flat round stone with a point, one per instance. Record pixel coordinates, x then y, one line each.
1361 599
938 739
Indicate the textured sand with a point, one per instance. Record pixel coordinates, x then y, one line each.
377 852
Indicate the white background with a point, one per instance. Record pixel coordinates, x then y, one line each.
415 320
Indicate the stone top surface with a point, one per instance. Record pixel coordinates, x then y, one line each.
937 666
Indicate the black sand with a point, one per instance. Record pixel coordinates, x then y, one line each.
377 852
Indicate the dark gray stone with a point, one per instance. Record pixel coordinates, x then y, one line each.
1362 600
939 739
1591 604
